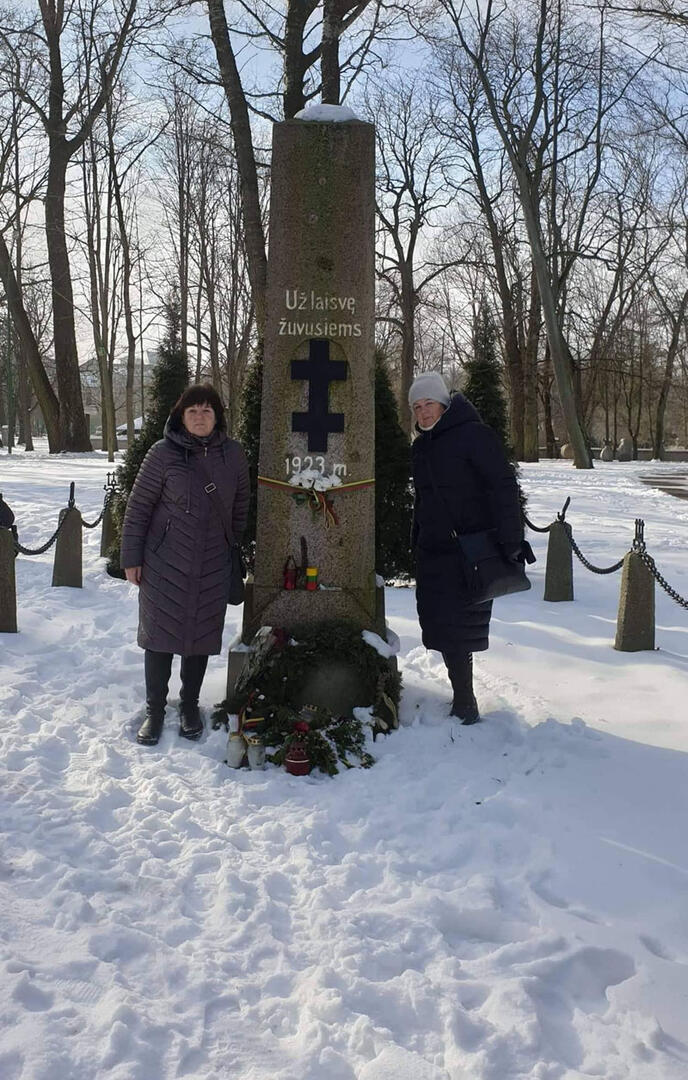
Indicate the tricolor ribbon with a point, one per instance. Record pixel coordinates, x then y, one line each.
319 500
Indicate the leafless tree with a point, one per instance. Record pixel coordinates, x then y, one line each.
303 35
411 193
531 76
75 54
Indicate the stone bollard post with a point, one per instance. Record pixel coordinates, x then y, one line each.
67 566
107 534
559 569
8 589
635 624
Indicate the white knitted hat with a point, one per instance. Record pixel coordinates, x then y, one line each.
431 386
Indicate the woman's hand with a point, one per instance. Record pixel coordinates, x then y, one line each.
133 574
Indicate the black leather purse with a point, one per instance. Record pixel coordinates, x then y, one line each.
237 567
485 569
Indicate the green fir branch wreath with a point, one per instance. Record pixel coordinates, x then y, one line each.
267 701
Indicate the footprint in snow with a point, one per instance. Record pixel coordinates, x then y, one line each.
658 949
30 996
584 976
11 1066
119 946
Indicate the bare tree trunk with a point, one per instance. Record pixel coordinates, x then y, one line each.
199 331
546 396
513 352
125 244
246 161
531 450
521 150
296 63
25 402
558 347
93 212
408 343
329 59
677 322
73 429
43 390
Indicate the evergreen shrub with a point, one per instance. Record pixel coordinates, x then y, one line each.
169 379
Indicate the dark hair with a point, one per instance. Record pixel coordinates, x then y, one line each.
199 394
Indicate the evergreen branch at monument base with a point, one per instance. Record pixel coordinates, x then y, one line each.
268 701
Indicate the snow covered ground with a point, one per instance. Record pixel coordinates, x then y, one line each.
488 903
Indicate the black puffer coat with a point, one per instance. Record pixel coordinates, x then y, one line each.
173 530
477 490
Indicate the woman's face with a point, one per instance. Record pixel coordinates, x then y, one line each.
426 412
199 420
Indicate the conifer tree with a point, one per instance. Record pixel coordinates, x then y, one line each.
169 380
484 386
393 493
249 437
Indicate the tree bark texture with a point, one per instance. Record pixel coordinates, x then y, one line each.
74 433
531 450
47 399
677 322
246 161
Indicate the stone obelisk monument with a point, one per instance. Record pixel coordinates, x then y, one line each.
316 494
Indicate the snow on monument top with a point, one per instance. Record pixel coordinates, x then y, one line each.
326 113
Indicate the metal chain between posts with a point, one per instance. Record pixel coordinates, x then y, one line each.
579 554
92 524
21 550
535 528
568 532
109 489
649 562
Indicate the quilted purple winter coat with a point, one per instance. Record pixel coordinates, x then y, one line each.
174 532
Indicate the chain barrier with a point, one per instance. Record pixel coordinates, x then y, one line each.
92 524
21 550
568 532
109 491
638 547
535 528
109 487
579 554
649 562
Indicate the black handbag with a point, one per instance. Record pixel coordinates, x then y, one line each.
485 569
237 567
237 573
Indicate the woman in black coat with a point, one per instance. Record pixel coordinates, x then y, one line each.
463 484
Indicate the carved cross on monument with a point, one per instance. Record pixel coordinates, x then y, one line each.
320 371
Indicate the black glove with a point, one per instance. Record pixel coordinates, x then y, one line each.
512 552
519 551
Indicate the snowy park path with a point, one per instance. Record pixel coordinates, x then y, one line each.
505 901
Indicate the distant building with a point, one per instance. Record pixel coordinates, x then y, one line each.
90 388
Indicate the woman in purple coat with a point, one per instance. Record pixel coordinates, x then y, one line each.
188 505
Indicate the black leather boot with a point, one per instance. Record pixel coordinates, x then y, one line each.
151 729
190 719
460 670
157 667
